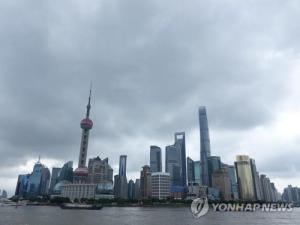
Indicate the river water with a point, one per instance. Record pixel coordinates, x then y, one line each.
46 215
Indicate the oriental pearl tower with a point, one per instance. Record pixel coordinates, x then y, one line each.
81 173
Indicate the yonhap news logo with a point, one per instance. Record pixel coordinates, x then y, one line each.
199 207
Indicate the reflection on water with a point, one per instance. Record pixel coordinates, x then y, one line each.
45 215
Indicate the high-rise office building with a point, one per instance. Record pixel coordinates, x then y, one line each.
197 171
190 170
233 180
204 145
176 160
244 177
161 185
155 159
37 183
121 186
122 165
81 173
54 178
66 173
221 181
4 194
291 194
131 190
64 177
213 164
145 182
268 196
256 181
137 189
22 185
100 171
173 164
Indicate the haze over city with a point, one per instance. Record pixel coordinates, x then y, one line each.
152 65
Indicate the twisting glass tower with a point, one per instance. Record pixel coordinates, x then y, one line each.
81 173
204 145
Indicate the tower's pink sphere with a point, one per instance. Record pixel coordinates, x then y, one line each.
86 124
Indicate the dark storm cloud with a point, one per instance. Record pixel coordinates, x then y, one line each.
152 64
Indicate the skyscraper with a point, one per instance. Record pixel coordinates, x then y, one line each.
121 186
61 177
213 164
137 189
176 160
244 177
66 173
37 183
22 185
233 180
145 182
122 165
155 159
81 173
100 172
160 183
256 181
197 171
54 178
204 145
221 181
190 170
131 190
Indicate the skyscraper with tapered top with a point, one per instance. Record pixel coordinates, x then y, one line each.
204 145
81 173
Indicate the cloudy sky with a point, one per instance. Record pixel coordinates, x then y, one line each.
152 64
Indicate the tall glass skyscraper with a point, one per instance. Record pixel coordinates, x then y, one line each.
197 171
120 187
244 177
213 165
155 159
176 160
122 165
190 170
204 145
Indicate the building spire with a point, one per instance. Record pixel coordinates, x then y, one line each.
88 107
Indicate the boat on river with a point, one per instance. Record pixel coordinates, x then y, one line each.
81 206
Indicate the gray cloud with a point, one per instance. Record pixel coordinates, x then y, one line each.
152 64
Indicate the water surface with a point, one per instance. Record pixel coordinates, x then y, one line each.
46 215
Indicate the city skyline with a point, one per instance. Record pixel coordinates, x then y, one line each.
152 65
178 150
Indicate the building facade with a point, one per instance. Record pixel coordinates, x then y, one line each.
121 186
176 160
197 172
190 170
79 191
145 183
161 184
204 145
256 181
221 181
213 164
155 159
99 171
54 178
131 190
244 177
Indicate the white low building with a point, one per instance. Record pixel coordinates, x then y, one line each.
79 191
160 185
